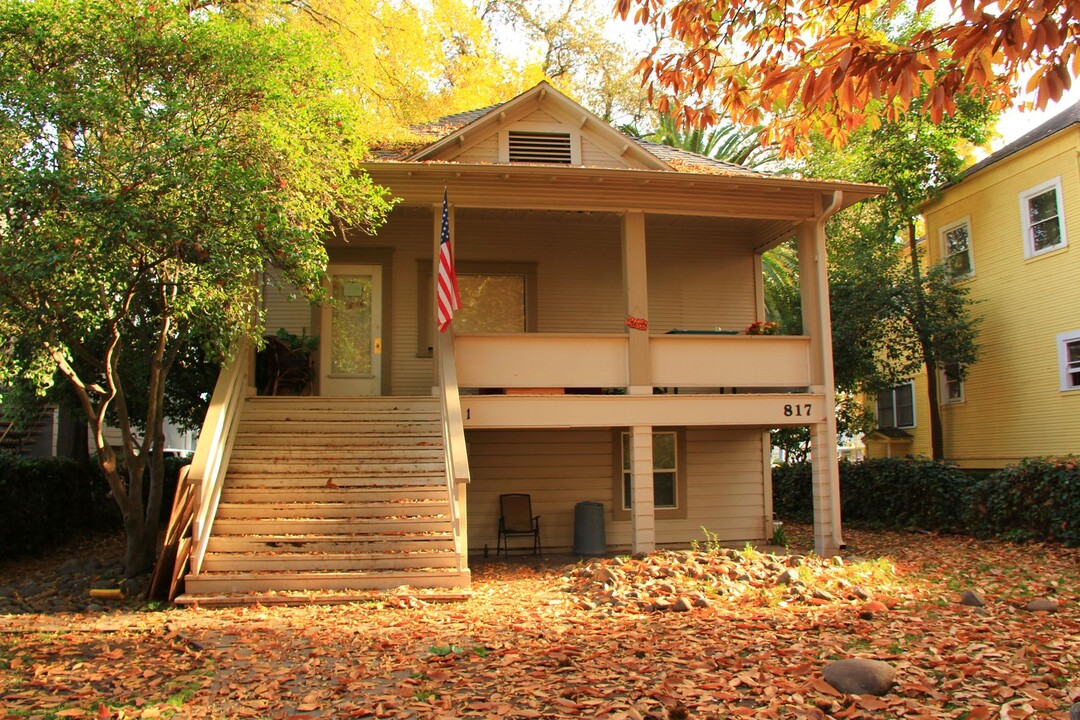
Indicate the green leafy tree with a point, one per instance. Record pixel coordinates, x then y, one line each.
153 162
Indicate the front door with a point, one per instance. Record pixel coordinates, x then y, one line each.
350 348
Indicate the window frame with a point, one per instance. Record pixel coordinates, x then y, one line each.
1026 196
1064 340
619 512
910 386
425 327
944 397
947 256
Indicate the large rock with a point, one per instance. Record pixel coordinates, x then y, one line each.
974 598
859 676
1042 605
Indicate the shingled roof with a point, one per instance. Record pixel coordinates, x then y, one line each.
1065 119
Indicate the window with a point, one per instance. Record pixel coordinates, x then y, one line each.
495 298
896 407
956 242
1042 217
952 387
669 474
1069 359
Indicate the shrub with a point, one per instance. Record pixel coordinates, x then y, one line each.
1038 499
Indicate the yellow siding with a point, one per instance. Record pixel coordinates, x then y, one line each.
560 468
1013 406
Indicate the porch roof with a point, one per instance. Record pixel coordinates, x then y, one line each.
777 203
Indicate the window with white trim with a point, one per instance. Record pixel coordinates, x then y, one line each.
956 249
1042 215
1069 359
952 387
669 474
896 407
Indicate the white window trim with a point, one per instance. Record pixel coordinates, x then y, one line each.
1025 217
943 387
966 220
1064 339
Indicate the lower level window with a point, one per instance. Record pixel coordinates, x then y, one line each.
951 384
665 470
1069 359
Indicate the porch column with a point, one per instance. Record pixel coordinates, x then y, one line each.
642 510
635 285
814 286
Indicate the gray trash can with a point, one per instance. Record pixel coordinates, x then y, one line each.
589 529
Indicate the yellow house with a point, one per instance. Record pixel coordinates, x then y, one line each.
598 360
1008 232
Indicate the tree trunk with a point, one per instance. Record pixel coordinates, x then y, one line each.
141 545
937 436
937 451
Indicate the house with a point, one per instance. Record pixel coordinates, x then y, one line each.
597 358
1005 231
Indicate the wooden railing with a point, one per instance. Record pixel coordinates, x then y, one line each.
561 360
212 452
457 459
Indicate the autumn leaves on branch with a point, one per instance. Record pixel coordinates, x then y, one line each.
835 65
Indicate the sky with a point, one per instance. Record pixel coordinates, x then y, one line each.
1014 123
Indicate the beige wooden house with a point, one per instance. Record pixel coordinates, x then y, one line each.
585 365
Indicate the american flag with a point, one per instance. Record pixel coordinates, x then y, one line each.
449 297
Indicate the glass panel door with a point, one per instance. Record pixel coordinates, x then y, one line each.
351 341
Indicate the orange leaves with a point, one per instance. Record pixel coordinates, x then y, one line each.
819 62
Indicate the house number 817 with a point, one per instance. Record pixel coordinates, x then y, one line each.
797 410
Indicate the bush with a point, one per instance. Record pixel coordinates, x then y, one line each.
44 501
1038 499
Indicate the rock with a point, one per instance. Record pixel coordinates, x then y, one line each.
862 593
837 561
660 605
683 604
787 577
981 611
700 601
1042 605
872 608
1074 712
605 576
823 595
859 676
974 598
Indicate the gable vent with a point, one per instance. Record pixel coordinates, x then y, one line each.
540 147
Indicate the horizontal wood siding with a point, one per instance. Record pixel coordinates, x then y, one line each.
1013 404
560 468
700 276
285 307
596 156
484 151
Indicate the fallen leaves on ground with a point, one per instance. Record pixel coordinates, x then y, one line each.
599 639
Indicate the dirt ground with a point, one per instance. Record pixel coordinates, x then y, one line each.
708 633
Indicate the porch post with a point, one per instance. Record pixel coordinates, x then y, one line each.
436 213
814 286
642 510
635 286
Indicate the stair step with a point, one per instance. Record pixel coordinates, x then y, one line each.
330 543
255 479
343 438
232 582
366 454
321 493
323 562
239 467
331 510
331 427
331 526
324 597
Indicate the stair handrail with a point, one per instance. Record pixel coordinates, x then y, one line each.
457 458
214 447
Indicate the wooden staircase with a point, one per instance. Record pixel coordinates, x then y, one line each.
328 499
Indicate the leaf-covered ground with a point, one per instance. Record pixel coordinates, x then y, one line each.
694 634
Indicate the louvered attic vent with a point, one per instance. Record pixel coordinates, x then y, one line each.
539 147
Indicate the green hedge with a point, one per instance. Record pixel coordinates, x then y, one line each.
1039 499
46 501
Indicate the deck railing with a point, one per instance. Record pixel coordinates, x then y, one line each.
457 459
214 447
562 360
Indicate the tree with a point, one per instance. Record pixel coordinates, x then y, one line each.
727 141
835 65
153 162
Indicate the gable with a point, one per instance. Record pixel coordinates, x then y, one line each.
541 126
